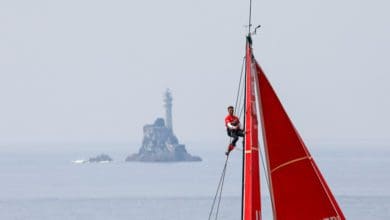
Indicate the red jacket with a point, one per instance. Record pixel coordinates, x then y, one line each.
232 120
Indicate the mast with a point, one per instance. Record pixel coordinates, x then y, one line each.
251 208
251 192
245 86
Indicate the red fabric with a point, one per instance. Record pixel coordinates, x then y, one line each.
298 189
231 118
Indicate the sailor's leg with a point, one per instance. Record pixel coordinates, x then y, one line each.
235 138
240 133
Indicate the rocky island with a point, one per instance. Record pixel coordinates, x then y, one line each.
160 143
102 158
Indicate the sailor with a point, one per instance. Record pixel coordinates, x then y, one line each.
233 129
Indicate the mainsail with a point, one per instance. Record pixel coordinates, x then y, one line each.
298 190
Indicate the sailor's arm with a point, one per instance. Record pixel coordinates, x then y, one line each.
230 126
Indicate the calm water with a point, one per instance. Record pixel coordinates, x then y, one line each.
45 184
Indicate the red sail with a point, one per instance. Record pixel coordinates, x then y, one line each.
251 200
298 189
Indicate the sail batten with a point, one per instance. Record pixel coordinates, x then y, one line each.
290 162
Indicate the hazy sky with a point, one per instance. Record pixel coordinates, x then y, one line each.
95 71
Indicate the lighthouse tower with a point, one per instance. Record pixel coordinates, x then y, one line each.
168 109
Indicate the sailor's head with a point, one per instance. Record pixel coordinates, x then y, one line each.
230 110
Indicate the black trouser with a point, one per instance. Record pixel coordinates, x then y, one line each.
235 133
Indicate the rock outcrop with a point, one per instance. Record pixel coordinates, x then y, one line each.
102 158
161 145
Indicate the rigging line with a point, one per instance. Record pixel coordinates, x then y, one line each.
241 111
219 187
239 84
220 192
240 92
216 193
265 171
243 146
250 17
241 106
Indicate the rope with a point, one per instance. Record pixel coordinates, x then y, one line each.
265 171
239 86
218 193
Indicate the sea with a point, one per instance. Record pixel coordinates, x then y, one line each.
41 182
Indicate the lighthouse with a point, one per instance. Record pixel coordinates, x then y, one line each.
159 143
168 109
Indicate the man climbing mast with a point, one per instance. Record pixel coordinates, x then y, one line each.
233 129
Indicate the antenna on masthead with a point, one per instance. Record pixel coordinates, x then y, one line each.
250 17
254 32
